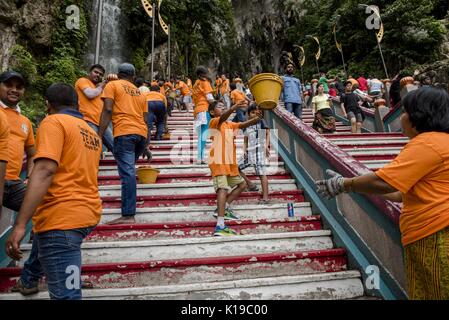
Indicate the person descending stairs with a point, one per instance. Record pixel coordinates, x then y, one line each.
171 253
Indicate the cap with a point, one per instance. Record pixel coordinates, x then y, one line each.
127 68
7 75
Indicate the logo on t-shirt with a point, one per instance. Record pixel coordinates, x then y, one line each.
25 128
91 141
131 91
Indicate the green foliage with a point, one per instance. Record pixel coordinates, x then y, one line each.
412 36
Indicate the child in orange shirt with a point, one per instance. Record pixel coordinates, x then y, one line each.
223 163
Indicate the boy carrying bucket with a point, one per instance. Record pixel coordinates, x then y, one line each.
256 152
223 162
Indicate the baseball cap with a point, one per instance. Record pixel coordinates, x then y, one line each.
7 75
127 69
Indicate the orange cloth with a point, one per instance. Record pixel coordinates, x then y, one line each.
129 106
156 96
421 173
168 86
91 109
154 83
162 90
223 157
189 83
184 88
4 136
237 96
72 201
224 87
199 93
21 136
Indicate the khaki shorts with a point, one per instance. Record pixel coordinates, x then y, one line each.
227 182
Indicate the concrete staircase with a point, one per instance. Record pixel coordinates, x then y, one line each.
171 253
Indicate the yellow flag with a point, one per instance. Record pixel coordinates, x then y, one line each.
161 21
148 7
380 34
318 54
336 42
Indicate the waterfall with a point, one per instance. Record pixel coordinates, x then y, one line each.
112 41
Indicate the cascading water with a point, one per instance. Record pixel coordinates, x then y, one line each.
112 50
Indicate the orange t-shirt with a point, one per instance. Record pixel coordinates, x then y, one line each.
199 95
189 84
21 136
421 173
72 201
184 88
223 157
90 108
129 106
4 137
237 96
156 96
168 86
224 87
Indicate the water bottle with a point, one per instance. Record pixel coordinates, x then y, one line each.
291 211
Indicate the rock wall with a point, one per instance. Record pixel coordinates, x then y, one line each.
27 20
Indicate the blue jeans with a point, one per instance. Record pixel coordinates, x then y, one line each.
108 138
57 255
295 108
156 111
203 132
127 149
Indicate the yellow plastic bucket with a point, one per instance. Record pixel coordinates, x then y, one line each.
266 89
147 175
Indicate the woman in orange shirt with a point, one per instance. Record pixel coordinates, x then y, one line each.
418 177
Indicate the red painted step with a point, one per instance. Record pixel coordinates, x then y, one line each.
368 157
188 159
364 135
202 199
200 229
129 274
190 177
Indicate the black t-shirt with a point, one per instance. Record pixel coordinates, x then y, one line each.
351 102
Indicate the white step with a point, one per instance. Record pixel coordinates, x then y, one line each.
373 151
322 286
189 188
182 248
188 168
375 164
366 141
205 213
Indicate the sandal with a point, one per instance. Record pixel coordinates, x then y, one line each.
263 201
253 188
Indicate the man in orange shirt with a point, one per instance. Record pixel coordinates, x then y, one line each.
157 111
21 140
223 162
89 92
62 197
185 93
238 96
127 108
4 140
202 94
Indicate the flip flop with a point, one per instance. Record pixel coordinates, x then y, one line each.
253 188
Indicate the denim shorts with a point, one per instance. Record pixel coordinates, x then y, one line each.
357 116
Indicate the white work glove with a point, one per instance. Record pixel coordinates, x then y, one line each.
331 187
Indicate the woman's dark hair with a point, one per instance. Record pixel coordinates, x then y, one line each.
318 85
61 96
428 109
155 88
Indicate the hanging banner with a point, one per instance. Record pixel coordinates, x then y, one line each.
380 34
148 7
161 21
302 56
339 47
318 54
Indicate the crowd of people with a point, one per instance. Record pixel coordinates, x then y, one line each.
117 113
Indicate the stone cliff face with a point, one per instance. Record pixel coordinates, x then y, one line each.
25 20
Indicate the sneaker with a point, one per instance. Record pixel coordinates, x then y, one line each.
223 232
19 287
229 214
